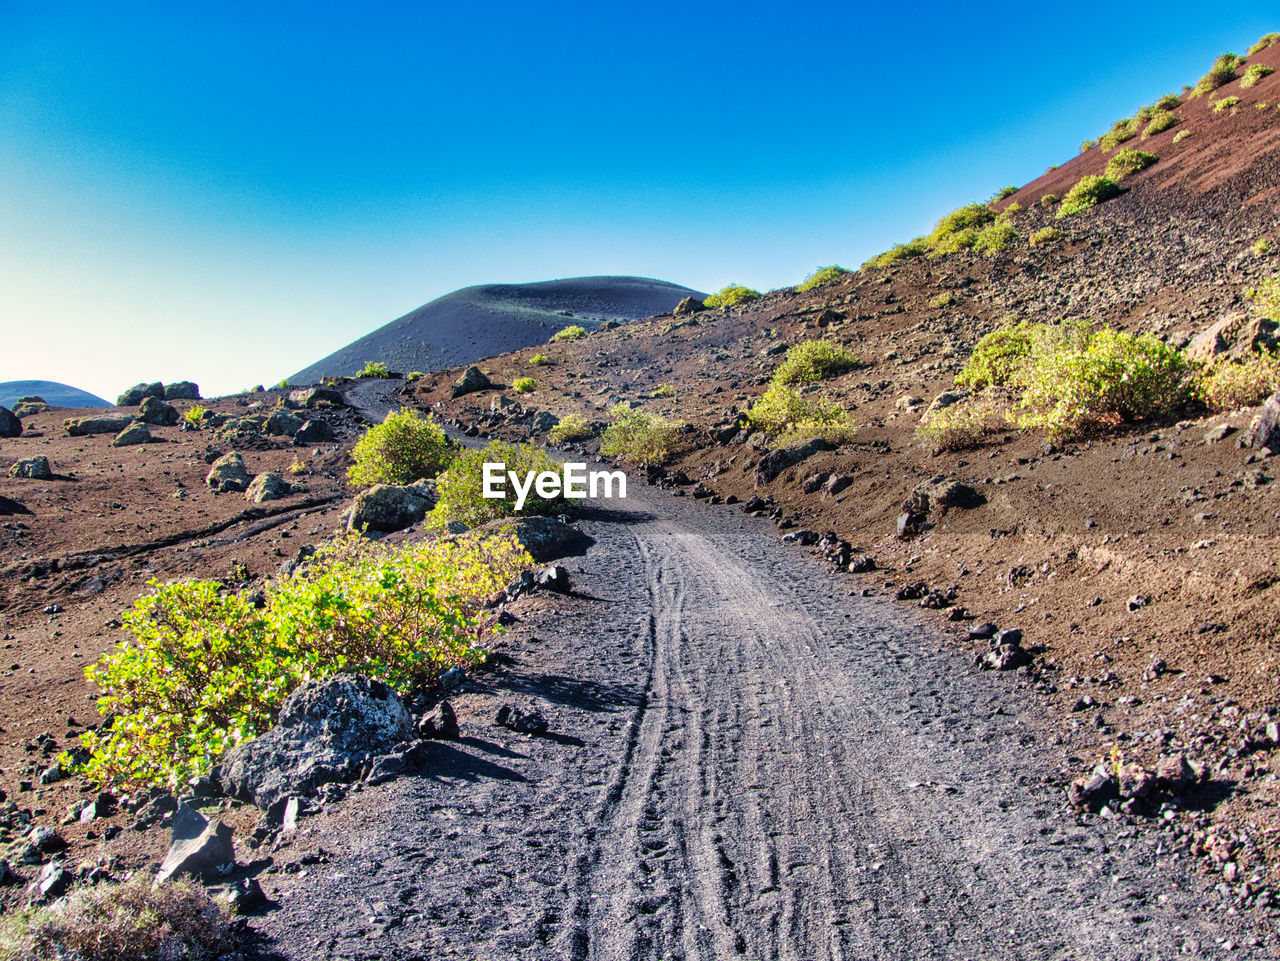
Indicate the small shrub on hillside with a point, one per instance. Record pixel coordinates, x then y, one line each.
994 239
524 385
962 425
1255 74
1048 200
193 416
539 360
572 427
1004 192
1266 298
1160 122
402 449
296 466
1010 211
414 376
898 253
823 275
1230 385
638 437
1088 192
572 332
1263 247
1225 104
1170 101
1263 43
1122 131
374 368
944 299
461 487
784 411
208 669
1221 73
1181 135
730 295
1127 162
1045 235
663 390
121 922
997 356
1087 145
813 360
1114 377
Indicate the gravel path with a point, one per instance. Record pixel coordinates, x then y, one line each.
743 761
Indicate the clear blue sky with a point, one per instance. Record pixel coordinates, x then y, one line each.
226 192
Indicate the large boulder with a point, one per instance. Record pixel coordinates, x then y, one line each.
282 422
771 465
545 538
198 848
310 397
314 431
182 390
472 380
1237 336
689 305
1266 428
156 412
33 468
100 424
132 435
228 474
267 487
29 407
389 507
137 393
328 731
10 425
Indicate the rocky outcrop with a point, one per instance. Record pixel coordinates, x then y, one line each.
156 412
313 431
328 731
32 468
137 393
388 507
545 538
10 424
773 464
267 487
199 848
689 305
132 435
312 397
282 422
472 380
1237 336
101 424
182 390
228 474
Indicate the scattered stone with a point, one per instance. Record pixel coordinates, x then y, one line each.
1006 653
473 379
10 424
773 464
138 393
909 525
182 390
1094 791
327 731
1138 602
198 848
32 468
862 564
45 840
282 422
156 412
835 484
314 431
246 896
132 435
53 882
1265 431
1174 774
388 507
1221 432
100 424
312 397
228 474
946 399
689 305
520 720
439 724
554 579
267 487
1135 781
385 767
981 632
1157 669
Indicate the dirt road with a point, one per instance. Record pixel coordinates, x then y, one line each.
743 761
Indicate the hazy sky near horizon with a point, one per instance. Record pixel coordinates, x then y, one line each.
228 192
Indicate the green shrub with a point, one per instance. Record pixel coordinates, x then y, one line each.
1170 101
638 437
1087 145
1127 162
539 360
1221 73
995 238
1088 192
121 922
283 385
1263 247
524 385
572 427
963 222
193 416
1048 200
898 253
1120 132
813 360
1254 75
1004 192
207 669
1263 43
461 487
414 376
944 299
1266 298
962 425
572 332
1225 104
374 368
1181 135
1230 385
821 276
730 295
1113 377
1161 121
663 390
402 449
784 411
1045 235
997 357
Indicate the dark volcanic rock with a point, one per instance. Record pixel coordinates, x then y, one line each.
182 390
132 435
313 431
545 538
472 380
33 468
771 465
518 719
388 507
228 474
10 425
267 487
102 424
135 395
157 413
199 848
327 731
1266 430
316 397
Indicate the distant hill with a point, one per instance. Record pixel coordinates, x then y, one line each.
59 395
490 319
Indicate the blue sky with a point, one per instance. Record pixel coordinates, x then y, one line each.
225 192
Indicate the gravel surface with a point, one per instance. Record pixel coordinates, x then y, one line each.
742 761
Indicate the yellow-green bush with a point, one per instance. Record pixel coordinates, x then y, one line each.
1263 43
1048 200
572 427
813 360
997 356
1127 162
1254 75
402 449
730 295
944 299
572 332
823 275
1225 104
995 238
524 385
374 368
1113 377
1228 385
461 487
962 425
1266 298
1088 192
663 390
539 360
1120 132
1045 235
898 253
1263 247
193 417
131 921
1161 121
639 437
1181 135
1221 73
207 669
783 410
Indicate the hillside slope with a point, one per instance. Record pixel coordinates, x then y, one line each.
489 319
54 393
